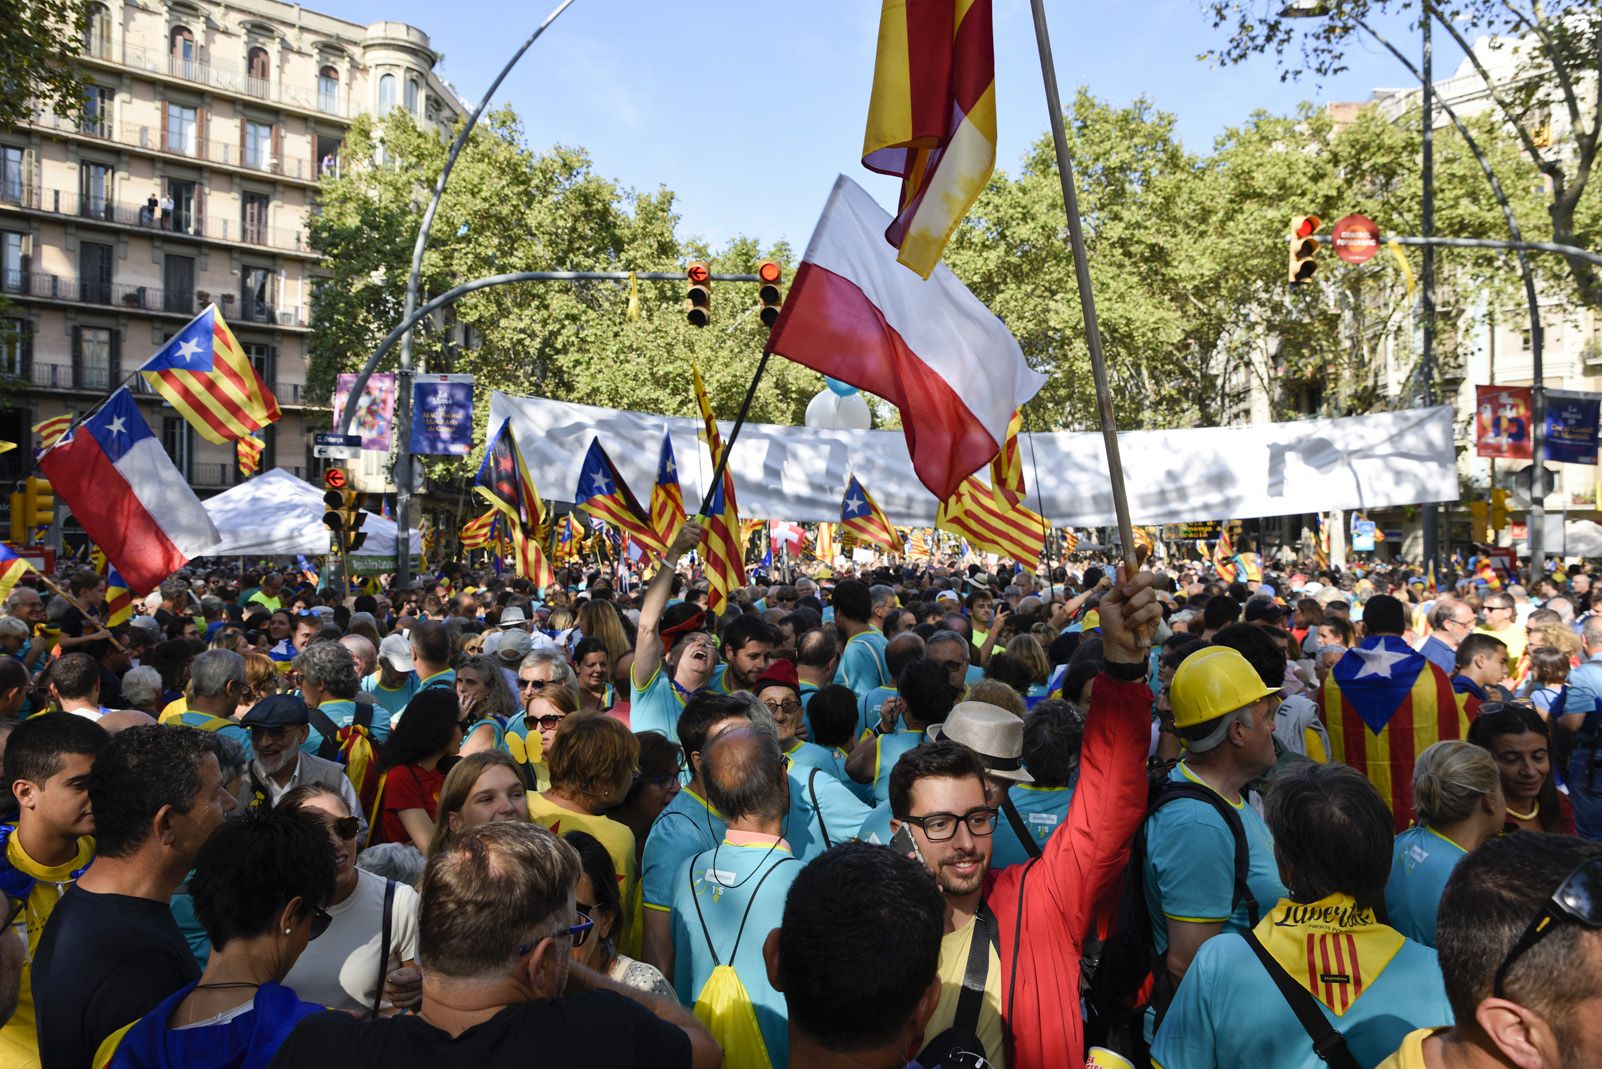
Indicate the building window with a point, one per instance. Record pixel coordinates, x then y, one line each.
328 90
413 95
97 31
261 357
253 217
182 129
94 189
257 294
178 206
95 366
259 71
184 52
97 103
258 145
14 347
178 284
386 92
94 272
11 261
12 163
175 440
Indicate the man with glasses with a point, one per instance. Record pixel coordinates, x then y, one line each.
1022 927
1451 620
1520 952
1500 621
495 935
279 725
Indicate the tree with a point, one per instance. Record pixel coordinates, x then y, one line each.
1546 97
37 69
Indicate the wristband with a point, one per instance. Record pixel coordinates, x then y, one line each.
1128 671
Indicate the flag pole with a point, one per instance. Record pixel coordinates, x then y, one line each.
1045 523
722 460
1087 301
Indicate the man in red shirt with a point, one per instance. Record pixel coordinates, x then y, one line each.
1035 915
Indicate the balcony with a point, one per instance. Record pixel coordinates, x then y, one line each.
161 62
38 285
210 474
127 214
92 379
148 138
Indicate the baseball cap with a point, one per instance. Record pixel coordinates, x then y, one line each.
514 646
396 652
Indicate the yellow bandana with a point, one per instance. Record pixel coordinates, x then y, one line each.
1330 947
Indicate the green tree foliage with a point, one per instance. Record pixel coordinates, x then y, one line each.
40 40
508 208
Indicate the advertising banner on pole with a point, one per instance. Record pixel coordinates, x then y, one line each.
1571 426
442 415
375 412
1502 418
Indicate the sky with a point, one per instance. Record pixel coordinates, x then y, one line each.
748 110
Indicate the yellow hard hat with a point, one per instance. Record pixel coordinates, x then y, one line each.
1214 682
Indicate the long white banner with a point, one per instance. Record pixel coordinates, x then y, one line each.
796 473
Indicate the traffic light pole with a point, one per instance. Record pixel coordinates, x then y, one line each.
1426 304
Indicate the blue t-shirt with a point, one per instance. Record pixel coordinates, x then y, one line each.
1228 1013
232 730
739 909
1043 809
837 817
868 707
811 755
1190 865
391 701
720 680
887 751
1420 865
342 711
862 665
685 827
657 705
876 829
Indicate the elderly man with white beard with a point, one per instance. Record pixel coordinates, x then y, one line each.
279 724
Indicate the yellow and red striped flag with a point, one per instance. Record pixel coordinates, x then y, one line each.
1224 555
603 494
51 430
972 513
1006 471
1070 541
932 118
504 481
12 568
478 532
722 550
249 449
206 376
97 559
119 599
862 516
667 496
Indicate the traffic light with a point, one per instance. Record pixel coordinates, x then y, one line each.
699 310
34 506
344 518
1500 514
1479 521
1303 248
770 295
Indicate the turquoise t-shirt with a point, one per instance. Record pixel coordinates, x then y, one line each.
1190 865
238 732
868 708
1043 809
720 681
837 817
862 666
1228 1012
811 755
876 829
342 711
807 691
1420 865
735 902
391 701
657 705
685 827
888 750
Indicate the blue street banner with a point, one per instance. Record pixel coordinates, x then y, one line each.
1363 535
1571 426
442 415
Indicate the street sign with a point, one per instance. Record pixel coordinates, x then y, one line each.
1356 239
1524 479
327 446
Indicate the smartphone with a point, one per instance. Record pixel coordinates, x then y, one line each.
904 844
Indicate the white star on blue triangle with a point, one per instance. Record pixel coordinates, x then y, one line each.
191 349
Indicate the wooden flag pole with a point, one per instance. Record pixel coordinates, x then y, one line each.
1087 301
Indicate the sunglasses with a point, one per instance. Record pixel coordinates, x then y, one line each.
547 722
578 933
1578 898
346 827
533 684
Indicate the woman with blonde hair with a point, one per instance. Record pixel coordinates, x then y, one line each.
1457 792
1027 648
480 789
599 619
261 679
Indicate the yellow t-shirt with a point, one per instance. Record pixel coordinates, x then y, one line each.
19 1042
1410 1055
619 842
953 964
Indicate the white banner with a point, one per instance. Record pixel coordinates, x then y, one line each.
797 473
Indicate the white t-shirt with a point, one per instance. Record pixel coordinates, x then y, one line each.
340 968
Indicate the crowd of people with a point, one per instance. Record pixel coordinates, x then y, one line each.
930 815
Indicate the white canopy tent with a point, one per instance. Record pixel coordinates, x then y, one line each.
799 474
276 514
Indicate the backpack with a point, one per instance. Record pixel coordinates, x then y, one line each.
723 1005
1124 974
351 746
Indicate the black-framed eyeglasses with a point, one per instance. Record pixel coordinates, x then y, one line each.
661 783
938 827
783 707
953 666
533 684
577 932
1578 898
321 919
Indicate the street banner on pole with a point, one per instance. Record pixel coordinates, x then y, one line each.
375 412
1571 426
442 415
1502 418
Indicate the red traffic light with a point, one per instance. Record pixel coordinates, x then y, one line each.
334 478
1308 225
768 271
699 273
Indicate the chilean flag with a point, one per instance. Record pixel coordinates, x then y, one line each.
122 487
930 347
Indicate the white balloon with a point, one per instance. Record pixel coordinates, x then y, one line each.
831 412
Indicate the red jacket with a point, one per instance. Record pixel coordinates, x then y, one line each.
1061 890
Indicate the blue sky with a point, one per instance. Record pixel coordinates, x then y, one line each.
747 110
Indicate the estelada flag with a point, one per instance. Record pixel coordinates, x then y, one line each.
12 568
863 517
206 376
505 482
723 551
929 347
119 599
1385 704
667 496
972 513
603 494
932 118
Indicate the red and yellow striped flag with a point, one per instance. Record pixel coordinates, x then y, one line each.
1006 471
249 450
722 550
862 516
12 568
932 118
1224 555
51 430
119 599
206 376
477 532
667 496
971 513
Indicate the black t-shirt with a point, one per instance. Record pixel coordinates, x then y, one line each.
110 688
103 961
72 622
592 1028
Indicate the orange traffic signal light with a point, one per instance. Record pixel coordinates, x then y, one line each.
1303 247
770 296
699 310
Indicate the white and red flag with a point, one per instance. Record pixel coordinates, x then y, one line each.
928 346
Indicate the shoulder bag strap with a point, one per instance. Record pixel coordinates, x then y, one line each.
1243 855
364 716
751 902
706 933
329 747
1328 1044
972 997
383 945
812 790
1016 822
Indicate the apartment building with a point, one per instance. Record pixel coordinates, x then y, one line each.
188 180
